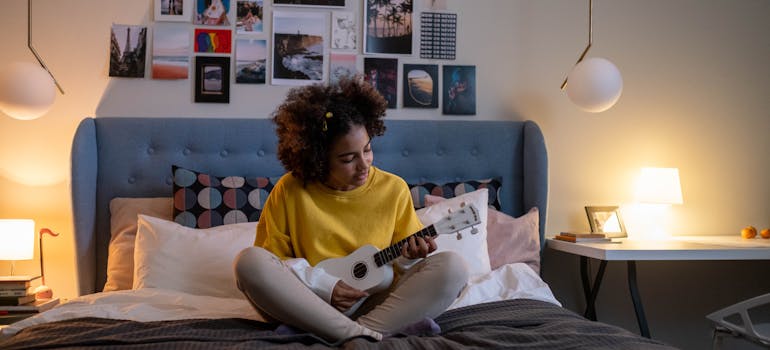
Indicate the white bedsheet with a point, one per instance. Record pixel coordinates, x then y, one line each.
512 281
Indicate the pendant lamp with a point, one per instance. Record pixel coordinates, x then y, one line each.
27 89
595 84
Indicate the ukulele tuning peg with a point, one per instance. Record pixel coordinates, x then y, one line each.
459 236
462 205
474 231
449 210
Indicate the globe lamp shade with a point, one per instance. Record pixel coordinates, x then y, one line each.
26 90
594 84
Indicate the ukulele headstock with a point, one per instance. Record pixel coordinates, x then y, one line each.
459 219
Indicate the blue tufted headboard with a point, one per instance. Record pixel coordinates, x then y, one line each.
132 157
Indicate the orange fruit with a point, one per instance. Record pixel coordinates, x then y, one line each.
765 233
749 232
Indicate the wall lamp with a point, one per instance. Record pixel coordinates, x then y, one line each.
595 84
27 89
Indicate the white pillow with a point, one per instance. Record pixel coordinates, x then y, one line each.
123 217
195 261
472 247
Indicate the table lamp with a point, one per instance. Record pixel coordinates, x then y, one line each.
17 240
656 190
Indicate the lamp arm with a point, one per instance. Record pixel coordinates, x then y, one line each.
590 39
40 246
29 44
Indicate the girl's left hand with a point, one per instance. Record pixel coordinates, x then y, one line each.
418 247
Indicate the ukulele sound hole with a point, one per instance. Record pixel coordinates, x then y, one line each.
359 270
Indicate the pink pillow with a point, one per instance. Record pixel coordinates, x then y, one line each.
509 239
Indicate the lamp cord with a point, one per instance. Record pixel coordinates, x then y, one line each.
29 44
590 38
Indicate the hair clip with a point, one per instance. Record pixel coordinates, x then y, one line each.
327 116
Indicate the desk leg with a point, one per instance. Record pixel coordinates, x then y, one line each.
637 300
589 291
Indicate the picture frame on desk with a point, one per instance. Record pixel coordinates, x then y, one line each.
607 220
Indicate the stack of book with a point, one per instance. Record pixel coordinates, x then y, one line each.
17 294
583 237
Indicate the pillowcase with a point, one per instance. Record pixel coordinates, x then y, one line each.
453 189
123 216
514 240
472 247
203 200
195 261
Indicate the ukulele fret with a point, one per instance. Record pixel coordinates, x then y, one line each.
390 253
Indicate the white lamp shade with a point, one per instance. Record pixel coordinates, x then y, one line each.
659 186
594 84
17 239
26 90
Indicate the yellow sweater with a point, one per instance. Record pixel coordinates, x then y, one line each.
317 223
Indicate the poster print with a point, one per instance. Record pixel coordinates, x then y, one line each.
420 85
212 79
324 3
212 12
213 40
343 31
250 61
382 73
459 90
249 16
173 10
388 26
128 51
341 65
298 47
170 52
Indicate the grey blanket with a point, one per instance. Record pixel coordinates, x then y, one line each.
511 324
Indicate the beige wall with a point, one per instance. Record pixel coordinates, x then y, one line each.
696 83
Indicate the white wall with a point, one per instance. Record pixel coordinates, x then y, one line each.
696 82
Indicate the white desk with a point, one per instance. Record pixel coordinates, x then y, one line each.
676 248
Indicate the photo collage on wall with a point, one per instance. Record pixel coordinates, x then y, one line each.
301 42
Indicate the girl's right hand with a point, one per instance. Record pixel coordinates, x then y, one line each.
344 296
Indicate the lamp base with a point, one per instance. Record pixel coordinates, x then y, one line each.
43 292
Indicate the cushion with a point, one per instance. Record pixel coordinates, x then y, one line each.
195 261
203 200
472 247
123 216
453 189
509 239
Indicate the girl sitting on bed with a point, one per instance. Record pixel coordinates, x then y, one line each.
331 201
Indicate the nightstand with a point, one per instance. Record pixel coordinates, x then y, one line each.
674 248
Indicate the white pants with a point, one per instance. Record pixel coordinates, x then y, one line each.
425 290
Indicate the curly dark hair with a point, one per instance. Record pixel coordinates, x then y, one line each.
303 144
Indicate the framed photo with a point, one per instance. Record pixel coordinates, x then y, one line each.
382 73
459 90
388 27
173 10
213 40
170 51
321 3
299 39
249 16
420 85
212 12
128 54
250 61
607 220
212 79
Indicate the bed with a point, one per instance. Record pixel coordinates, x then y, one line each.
130 159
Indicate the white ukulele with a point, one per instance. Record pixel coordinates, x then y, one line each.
367 267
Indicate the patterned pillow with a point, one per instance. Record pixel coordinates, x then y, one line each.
203 200
454 189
